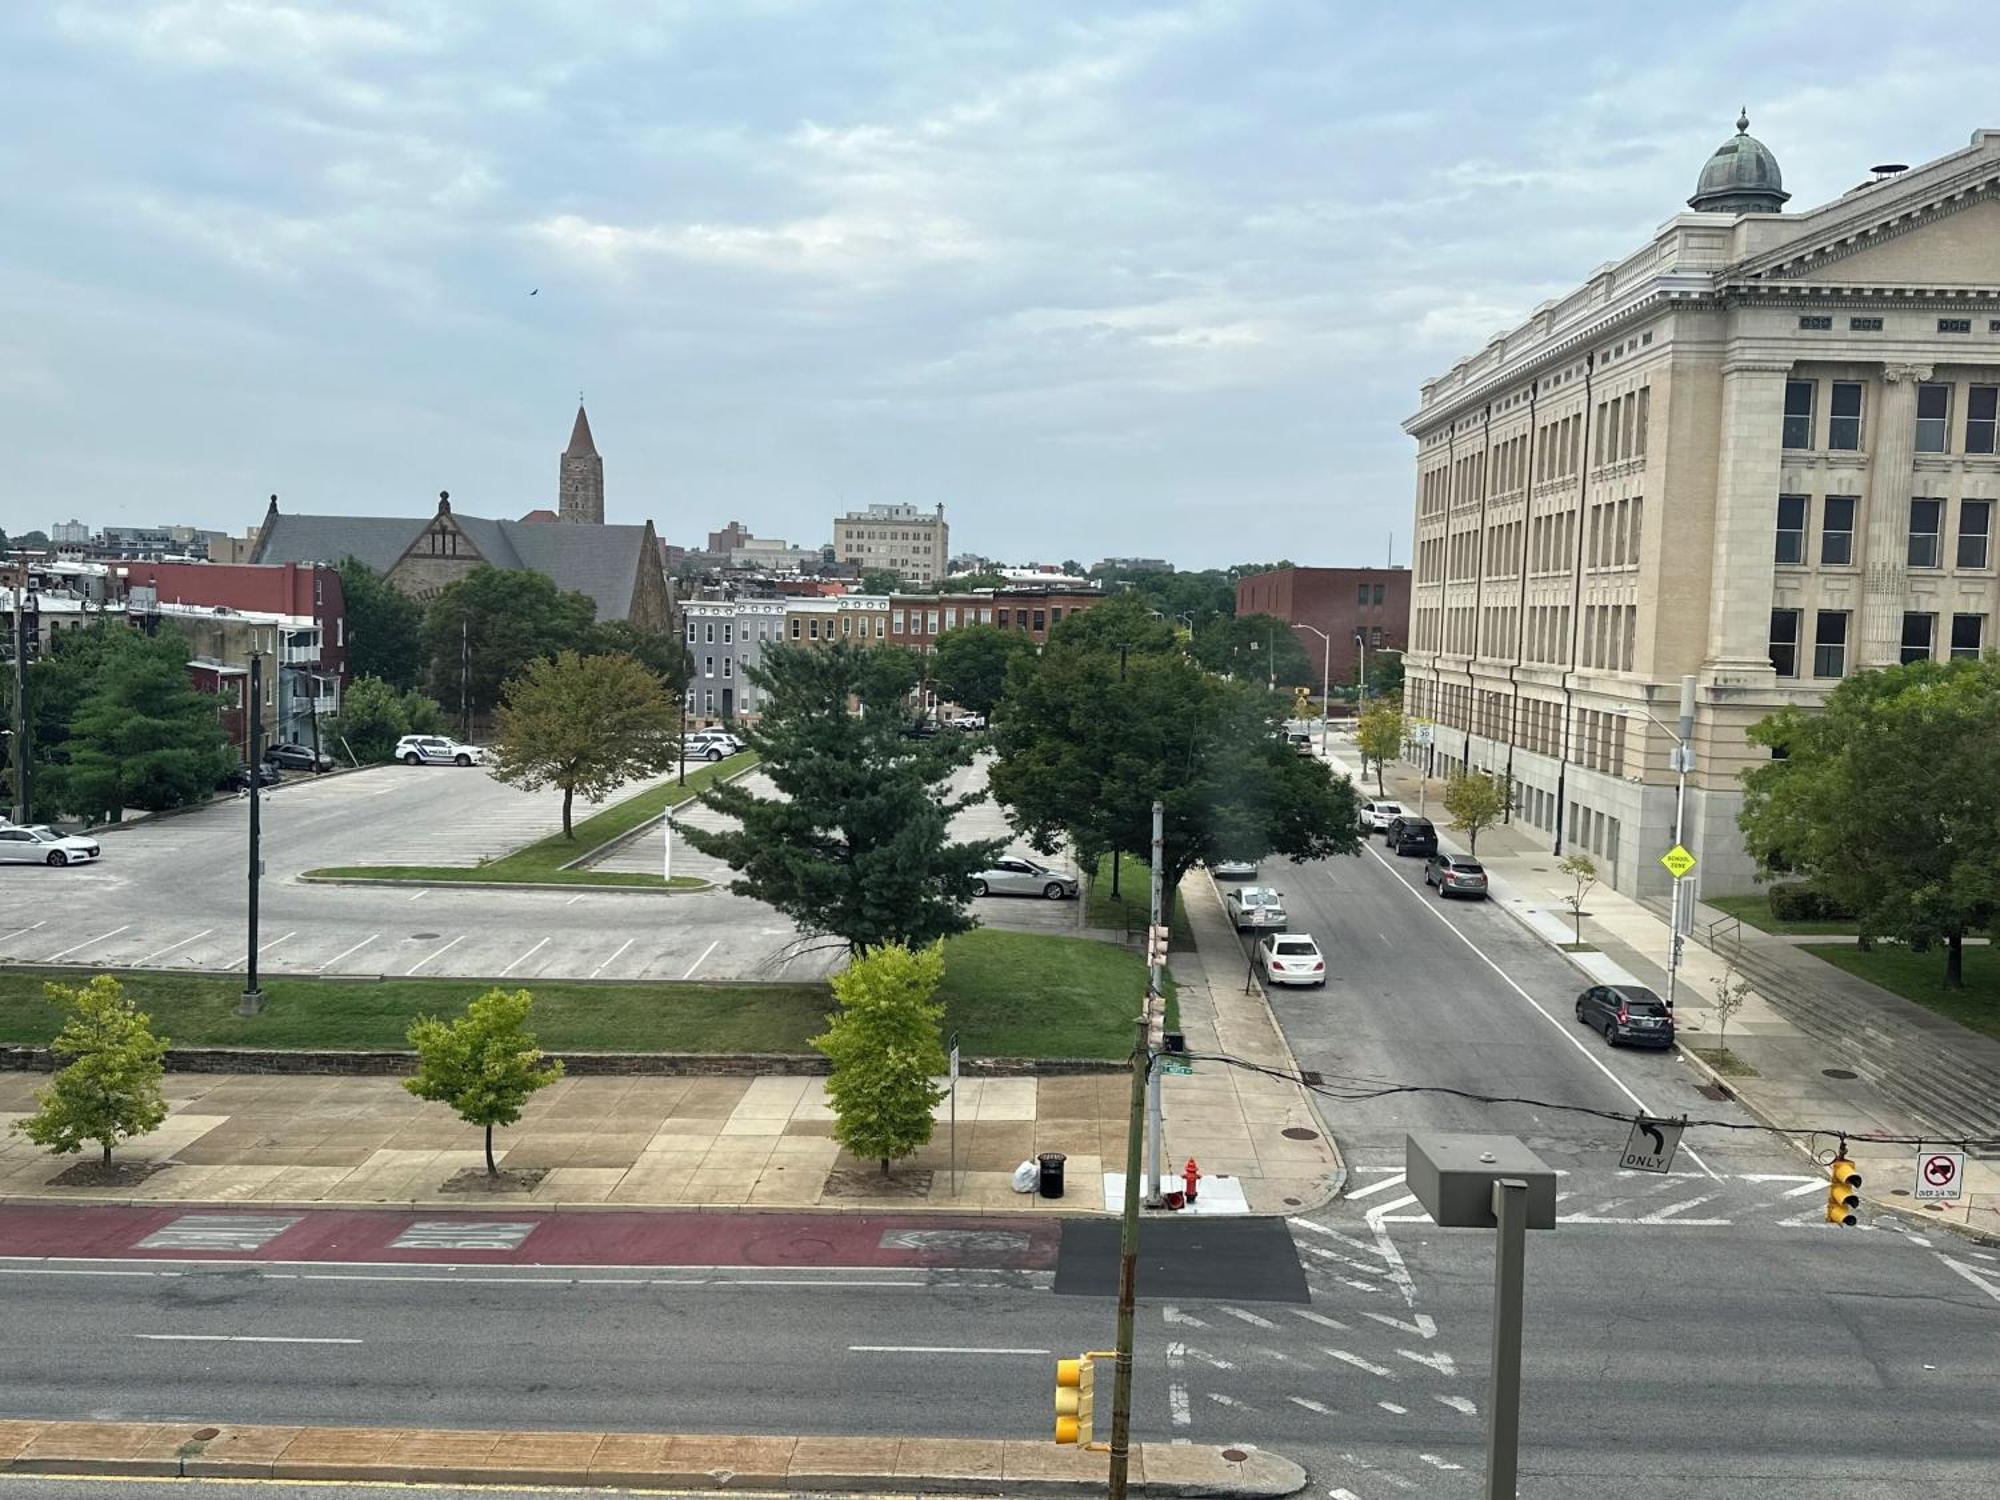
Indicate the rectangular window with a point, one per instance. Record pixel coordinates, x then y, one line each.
1798 413
1364 595
1980 404
878 627
1926 518
708 633
1843 419
1055 616
690 632
1966 631
1954 325
1917 633
1836 532
1378 593
795 629
708 666
1004 618
1975 528
1830 644
896 621
933 618
1816 322
1038 620
728 631
1864 325
1639 430
1933 418
1375 637
1791 529
812 627
728 666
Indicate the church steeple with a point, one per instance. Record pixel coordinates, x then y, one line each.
580 479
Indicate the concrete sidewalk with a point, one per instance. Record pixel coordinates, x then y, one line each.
1798 1082
631 1460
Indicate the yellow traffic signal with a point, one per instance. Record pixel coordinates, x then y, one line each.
1074 1400
1843 1193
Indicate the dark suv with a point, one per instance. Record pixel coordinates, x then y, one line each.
1455 875
1412 835
1626 1013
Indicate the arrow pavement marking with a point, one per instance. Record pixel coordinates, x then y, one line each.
1319 1318
1422 1326
1977 1278
1440 1361
1249 1317
1363 1364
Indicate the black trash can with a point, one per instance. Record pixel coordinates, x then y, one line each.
1052 1173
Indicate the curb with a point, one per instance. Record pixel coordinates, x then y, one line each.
604 1460
515 1203
631 835
569 888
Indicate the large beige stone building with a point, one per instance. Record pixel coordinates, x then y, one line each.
1760 450
900 537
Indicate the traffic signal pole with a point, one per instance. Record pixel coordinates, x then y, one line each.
253 997
19 744
1156 1013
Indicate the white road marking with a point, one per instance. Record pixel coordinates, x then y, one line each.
933 1349
1977 1278
1382 1210
1809 1187
1177 1396
421 894
703 959
1209 1359
1339 1494
1319 1318
574 899
1662 1215
1175 1315
1460 1403
344 953
1376 1187
1321 1253
159 952
275 941
1649 1219
1443 1363
1311 1405
611 960
234 1338
1421 1326
1568 1033
1398 1272
1393 1409
434 953
1249 1317
523 958
1221 1400
29 928
86 943
1440 1463
1363 1364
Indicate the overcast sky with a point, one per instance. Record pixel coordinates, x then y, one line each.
1102 278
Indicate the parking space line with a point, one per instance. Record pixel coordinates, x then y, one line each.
86 943
435 952
29 928
611 960
343 954
275 941
524 958
703 959
159 952
421 894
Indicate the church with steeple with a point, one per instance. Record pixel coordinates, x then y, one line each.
580 478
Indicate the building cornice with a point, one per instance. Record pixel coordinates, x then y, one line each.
1876 221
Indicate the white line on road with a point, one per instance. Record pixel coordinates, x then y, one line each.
234 1338
1443 1363
275 941
86 943
434 953
933 1349
1175 1315
1362 1364
1381 1210
1393 1409
1376 1187
1177 1393
160 952
524 958
703 959
1671 1209
1311 1405
1440 1463
346 952
611 960
1319 1318
1799 1192
1422 1327
1460 1403
29 928
421 894
1991 1288
574 899
1566 1032
1249 1317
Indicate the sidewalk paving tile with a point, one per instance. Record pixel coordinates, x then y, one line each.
630 1459
16 1435
246 1451
841 1462
547 1457
950 1458
83 1447
339 1453
750 1463
1028 1460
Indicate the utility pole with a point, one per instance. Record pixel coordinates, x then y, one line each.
1128 1262
253 997
1156 1012
1683 910
19 743
465 679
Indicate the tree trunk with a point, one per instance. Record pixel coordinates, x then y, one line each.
1116 860
1954 961
1380 790
1472 839
569 795
107 1152
885 1166
491 1169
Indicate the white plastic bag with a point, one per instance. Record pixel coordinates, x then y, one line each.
1027 1177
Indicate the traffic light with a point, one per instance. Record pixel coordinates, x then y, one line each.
1156 946
1073 1400
1843 1193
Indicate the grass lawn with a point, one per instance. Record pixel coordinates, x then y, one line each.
1128 910
1725 1061
541 862
1008 994
1920 977
1755 910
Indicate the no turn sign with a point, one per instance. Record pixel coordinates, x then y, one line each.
1938 1176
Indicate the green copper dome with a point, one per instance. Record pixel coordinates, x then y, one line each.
1741 178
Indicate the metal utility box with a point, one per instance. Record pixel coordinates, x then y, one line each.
1453 1177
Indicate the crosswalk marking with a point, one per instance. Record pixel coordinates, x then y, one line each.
1249 1317
1362 1364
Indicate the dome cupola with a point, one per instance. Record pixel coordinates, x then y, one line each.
1741 178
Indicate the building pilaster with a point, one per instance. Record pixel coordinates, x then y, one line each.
1892 451
1746 516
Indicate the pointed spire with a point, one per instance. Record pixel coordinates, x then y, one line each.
580 444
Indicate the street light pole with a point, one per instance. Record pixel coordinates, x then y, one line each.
1679 917
253 997
1325 679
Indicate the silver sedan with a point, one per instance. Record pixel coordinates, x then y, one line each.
1014 876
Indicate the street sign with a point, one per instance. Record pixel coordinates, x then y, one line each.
954 1059
1424 732
1678 861
1175 1065
1651 1146
1939 1174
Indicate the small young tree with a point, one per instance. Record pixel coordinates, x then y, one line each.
585 724
1378 734
1731 990
1582 869
885 1050
484 1065
1474 801
110 1090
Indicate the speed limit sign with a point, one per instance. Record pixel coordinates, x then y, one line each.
1938 1176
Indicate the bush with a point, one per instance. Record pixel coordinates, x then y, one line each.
1801 903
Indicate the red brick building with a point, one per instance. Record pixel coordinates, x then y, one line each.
1374 602
310 589
917 620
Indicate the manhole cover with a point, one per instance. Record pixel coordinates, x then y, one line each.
1712 1091
422 936
1299 1133
208 1434
1841 1073
1234 1455
1292 1202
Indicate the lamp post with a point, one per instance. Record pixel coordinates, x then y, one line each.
1325 679
1682 762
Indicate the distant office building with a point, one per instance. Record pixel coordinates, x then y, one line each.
1132 565
914 546
69 531
1341 608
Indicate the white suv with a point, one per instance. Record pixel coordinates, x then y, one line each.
437 750
712 744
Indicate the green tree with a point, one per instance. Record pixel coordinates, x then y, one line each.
857 843
661 652
1378 735
1474 801
485 1065
143 736
384 627
969 582
886 1054
109 1089
503 619
32 541
1888 799
881 581
370 721
1385 674
1124 622
1245 645
585 724
423 714
1582 872
969 664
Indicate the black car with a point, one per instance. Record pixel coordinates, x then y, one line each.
298 758
1412 835
1626 1013
238 780
1455 875
923 729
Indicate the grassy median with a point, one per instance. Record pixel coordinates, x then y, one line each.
541 863
1007 994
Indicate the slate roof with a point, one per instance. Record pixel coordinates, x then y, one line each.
601 561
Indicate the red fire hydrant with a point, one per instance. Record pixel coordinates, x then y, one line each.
1191 1174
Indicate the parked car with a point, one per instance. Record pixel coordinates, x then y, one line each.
1410 834
1255 906
437 750
969 721
1300 741
925 728
1626 1013
712 744
1014 876
1235 869
1455 875
265 774
298 758
1291 958
1377 815
37 845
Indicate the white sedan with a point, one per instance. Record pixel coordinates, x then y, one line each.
1291 958
41 846
1255 906
1376 815
437 750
